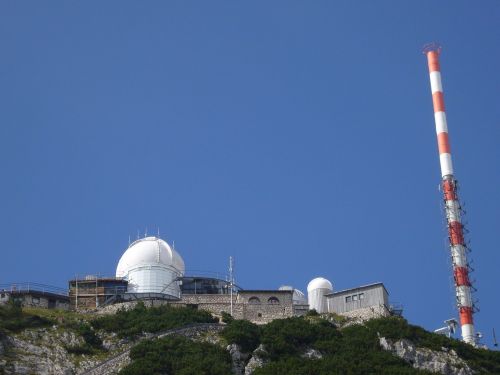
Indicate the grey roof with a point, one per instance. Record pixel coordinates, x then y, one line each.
362 287
264 291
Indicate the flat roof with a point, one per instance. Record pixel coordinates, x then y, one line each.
362 287
82 281
265 291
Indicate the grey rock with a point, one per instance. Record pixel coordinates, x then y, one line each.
237 359
257 360
445 362
312 354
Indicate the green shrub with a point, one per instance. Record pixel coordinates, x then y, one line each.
312 312
131 323
481 360
80 349
177 355
92 343
354 350
243 333
289 337
226 317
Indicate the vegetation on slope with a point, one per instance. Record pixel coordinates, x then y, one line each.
176 355
353 350
13 319
243 333
482 360
131 323
356 349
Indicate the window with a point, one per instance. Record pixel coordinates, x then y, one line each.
348 299
3 295
355 297
254 300
273 301
259 315
361 296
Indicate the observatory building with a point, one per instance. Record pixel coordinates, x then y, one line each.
364 302
150 265
151 270
317 289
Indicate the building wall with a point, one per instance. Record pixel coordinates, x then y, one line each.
83 294
340 303
366 313
280 305
34 299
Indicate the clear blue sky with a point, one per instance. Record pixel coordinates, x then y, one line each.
296 136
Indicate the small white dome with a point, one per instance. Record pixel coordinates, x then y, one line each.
149 251
319 283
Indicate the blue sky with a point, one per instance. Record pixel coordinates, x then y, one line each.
296 136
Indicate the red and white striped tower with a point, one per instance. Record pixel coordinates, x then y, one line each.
458 247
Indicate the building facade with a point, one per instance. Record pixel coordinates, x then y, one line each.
365 302
35 295
92 292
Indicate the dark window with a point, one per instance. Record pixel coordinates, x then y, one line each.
361 296
273 301
254 300
259 315
355 297
3 295
348 299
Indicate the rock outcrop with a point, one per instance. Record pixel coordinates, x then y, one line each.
43 351
257 360
445 362
238 359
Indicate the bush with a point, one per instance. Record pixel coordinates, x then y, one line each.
226 317
289 337
131 323
312 312
243 333
481 360
92 342
176 355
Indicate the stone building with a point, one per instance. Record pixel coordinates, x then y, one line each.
35 295
258 306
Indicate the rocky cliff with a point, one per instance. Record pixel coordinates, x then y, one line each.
83 344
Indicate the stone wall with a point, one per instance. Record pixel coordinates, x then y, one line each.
367 313
270 305
34 299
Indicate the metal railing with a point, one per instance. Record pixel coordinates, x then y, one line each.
32 287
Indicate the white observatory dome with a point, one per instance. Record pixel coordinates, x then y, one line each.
317 289
298 297
151 266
